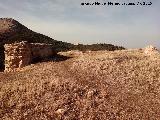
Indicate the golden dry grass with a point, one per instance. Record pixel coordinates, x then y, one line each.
102 85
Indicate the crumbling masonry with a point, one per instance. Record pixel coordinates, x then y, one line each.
18 55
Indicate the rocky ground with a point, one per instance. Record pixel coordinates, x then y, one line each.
102 85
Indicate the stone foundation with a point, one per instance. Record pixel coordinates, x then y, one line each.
18 55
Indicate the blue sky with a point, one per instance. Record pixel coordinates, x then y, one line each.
128 26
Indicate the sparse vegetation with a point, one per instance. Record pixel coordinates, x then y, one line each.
83 83
102 85
97 47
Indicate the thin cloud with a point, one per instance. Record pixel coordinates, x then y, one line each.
69 21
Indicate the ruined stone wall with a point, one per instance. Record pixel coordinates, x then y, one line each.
18 55
41 50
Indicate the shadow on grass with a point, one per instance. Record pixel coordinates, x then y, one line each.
55 58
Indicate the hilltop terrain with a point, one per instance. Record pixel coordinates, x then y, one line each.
80 82
99 85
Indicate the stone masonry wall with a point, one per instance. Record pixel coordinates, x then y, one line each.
41 50
18 55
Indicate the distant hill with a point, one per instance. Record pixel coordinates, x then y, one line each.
96 47
11 31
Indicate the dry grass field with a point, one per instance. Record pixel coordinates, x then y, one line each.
102 85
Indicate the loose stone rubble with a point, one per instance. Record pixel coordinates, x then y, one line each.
150 50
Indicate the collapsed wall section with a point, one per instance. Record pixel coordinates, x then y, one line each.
18 55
